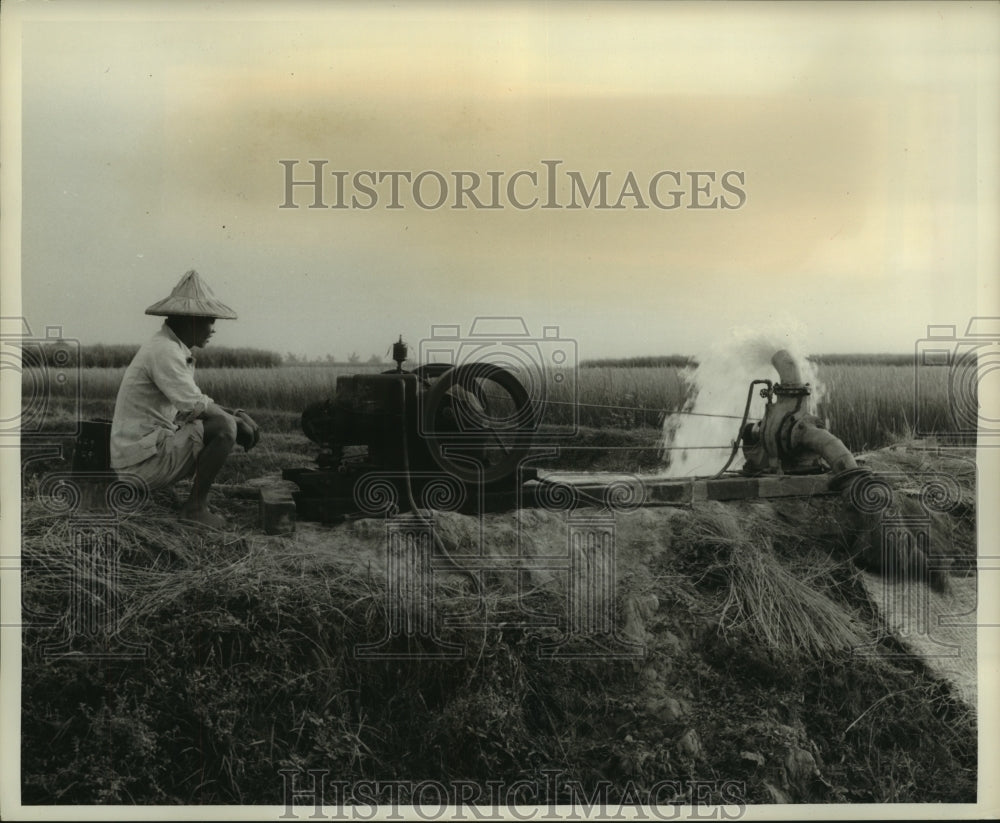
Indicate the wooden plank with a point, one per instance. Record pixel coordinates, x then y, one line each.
736 488
675 492
790 485
656 491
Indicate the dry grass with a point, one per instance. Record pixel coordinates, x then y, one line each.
251 667
787 613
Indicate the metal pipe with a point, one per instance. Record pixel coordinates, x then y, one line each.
787 368
743 426
819 441
808 432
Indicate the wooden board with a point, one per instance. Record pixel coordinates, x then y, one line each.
670 491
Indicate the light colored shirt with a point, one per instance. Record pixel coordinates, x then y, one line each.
157 396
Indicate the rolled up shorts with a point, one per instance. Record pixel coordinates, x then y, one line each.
175 459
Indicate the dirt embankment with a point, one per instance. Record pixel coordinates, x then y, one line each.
734 646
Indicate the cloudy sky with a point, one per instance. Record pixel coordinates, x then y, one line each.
864 138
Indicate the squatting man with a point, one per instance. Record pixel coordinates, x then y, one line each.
165 428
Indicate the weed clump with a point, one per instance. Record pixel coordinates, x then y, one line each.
761 601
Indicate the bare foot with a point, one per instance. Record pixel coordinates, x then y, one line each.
202 517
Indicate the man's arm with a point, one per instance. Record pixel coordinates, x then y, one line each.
247 431
213 409
175 378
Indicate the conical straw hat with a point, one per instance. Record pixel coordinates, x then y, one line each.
192 297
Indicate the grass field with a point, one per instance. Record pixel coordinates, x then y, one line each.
868 406
747 690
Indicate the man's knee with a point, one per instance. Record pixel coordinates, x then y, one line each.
220 426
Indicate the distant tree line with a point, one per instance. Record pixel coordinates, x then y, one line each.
863 359
683 361
354 359
61 354
679 361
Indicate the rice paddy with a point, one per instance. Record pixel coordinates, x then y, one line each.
867 405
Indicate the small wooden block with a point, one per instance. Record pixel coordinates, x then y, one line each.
277 511
93 494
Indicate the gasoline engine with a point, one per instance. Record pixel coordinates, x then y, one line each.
410 437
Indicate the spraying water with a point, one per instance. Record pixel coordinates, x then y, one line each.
697 442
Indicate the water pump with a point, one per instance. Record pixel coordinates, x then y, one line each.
790 439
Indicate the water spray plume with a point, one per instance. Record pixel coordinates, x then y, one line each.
697 442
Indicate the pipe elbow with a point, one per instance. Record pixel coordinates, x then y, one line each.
819 441
787 368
